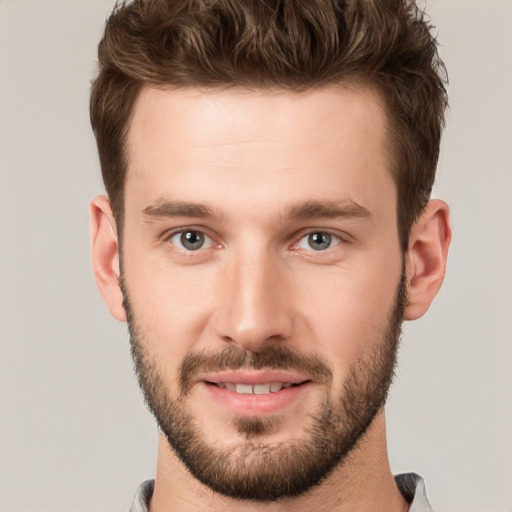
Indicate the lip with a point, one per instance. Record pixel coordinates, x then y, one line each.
254 377
251 405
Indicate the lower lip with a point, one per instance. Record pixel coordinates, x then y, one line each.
248 405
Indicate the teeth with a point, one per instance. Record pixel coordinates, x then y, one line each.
244 388
257 389
261 389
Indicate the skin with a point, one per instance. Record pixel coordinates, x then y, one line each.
252 157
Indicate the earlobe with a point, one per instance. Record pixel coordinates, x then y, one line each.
105 255
426 258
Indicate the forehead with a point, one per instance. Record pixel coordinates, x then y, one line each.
276 144
200 112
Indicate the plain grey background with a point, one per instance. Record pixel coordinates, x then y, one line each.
74 433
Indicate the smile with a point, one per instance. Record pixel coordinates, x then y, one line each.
256 389
249 392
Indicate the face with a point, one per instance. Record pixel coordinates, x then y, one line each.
262 278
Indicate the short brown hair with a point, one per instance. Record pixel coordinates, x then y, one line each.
290 44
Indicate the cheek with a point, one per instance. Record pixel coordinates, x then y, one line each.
347 313
170 310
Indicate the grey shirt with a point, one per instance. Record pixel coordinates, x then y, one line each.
410 485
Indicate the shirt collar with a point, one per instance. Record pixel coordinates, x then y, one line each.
410 485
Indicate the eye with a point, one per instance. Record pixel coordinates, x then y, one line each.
318 241
190 240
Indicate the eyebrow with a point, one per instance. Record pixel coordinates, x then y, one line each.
313 209
328 209
163 209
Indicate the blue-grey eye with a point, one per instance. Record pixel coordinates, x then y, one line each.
318 241
191 240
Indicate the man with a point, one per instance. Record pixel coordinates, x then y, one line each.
268 228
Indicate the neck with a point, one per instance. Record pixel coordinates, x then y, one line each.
363 482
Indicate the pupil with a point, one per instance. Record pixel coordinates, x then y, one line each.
192 240
319 241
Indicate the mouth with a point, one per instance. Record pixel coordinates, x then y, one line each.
255 389
252 393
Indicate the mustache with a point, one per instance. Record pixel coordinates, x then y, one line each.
275 357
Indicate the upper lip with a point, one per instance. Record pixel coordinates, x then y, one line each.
254 377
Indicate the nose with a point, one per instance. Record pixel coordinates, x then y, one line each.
254 306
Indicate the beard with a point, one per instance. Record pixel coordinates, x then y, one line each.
255 469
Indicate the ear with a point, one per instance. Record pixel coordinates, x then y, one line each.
105 256
426 258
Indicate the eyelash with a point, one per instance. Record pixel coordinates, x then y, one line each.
327 236
183 231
